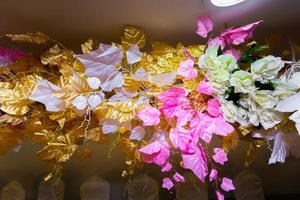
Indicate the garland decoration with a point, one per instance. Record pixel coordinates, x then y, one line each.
188 103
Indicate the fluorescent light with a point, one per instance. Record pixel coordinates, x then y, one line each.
224 3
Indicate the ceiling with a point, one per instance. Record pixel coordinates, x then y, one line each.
74 21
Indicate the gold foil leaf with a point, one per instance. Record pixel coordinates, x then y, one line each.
244 130
130 84
133 35
13 120
87 47
36 38
121 111
96 135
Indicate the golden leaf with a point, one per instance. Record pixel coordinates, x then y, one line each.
26 64
59 150
196 50
13 120
36 38
198 101
96 135
64 59
43 136
87 47
133 35
121 111
130 84
14 101
244 130
76 86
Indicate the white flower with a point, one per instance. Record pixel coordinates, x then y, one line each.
242 81
229 110
264 98
268 118
266 68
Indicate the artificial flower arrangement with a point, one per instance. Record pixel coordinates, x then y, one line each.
188 102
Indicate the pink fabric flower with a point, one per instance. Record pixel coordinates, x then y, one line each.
205 25
167 183
156 152
217 41
8 56
205 88
220 156
149 116
227 184
237 36
234 53
187 70
213 175
213 107
181 139
167 167
220 196
178 178
196 162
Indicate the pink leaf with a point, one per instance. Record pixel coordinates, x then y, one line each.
213 175
220 156
205 88
181 139
217 41
178 178
167 183
187 70
149 115
237 36
222 127
227 184
205 25
167 167
220 196
196 163
213 107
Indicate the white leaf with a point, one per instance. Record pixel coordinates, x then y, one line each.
141 75
133 54
44 94
164 78
80 102
110 126
101 64
94 82
137 133
94 100
280 150
290 104
296 118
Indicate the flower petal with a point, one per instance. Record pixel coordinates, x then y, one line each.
167 183
227 184
137 133
205 25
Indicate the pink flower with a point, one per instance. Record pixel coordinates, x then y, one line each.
156 152
187 70
205 88
167 167
237 36
196 162
167 183
205 25
8 56
178 178
217 41
220 196
220 156
213 107
234 53
213 175
181 139
227 184
149 116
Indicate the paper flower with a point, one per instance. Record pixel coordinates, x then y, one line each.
227 184
149 115
242 81
266 68
237 36
205 25
220 156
